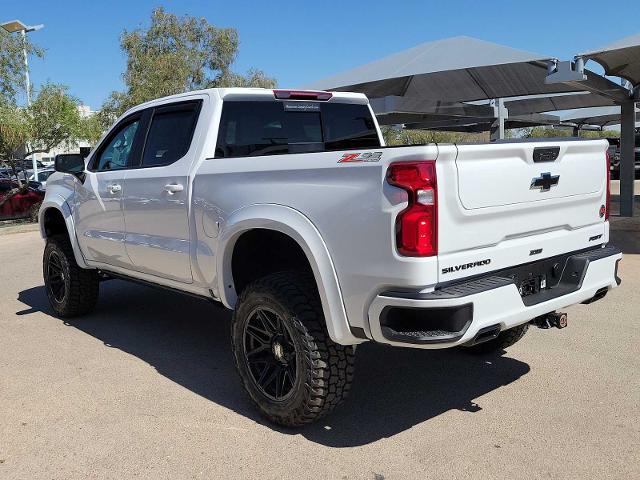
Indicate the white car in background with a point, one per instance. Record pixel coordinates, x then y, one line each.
43 175
48 162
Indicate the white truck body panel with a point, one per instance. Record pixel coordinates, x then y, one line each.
343 216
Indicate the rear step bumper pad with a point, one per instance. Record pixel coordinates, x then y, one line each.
454 314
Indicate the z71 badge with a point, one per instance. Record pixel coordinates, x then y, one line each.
361 157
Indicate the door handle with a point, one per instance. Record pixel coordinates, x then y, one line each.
173 188
114 188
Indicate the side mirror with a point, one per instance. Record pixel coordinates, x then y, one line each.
70 163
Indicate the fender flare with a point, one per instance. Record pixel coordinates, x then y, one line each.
293 223
58 203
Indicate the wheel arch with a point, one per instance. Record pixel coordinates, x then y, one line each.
300 229
54 218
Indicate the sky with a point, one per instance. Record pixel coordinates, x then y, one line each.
298 42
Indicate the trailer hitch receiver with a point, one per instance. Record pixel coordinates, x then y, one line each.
553 319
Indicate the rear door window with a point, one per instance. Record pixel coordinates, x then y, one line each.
250 128
170 133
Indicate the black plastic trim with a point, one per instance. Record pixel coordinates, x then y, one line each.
574 267
464 313
545 154
147 283
600 294
457 290
358 333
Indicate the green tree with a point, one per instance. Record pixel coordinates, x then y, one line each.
15 130
55 120
52 120
12 79
174 55
549 132
92 128
394 136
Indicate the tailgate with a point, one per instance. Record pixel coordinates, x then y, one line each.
505 204
507 174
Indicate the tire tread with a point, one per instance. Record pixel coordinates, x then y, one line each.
83 283
331 366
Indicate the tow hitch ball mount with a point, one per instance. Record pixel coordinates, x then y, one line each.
553 319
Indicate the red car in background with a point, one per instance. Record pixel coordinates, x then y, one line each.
21 205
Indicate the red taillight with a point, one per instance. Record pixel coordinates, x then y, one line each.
608 201
417 225
301 95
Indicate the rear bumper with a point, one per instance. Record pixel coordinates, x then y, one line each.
453 315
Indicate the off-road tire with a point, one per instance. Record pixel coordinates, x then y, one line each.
503 341
80 285
324 368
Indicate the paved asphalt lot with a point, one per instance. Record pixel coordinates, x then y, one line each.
145 388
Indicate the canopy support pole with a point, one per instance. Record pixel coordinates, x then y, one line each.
500 114
627 161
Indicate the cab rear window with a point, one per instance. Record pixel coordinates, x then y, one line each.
250 128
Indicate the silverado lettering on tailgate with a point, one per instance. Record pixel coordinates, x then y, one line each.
466 266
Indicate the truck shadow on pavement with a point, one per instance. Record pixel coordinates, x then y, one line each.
187 341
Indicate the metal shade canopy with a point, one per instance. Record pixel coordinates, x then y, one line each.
620 58
599 117
475 125
395 110
554 103
456 69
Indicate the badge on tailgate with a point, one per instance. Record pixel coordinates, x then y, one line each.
544 182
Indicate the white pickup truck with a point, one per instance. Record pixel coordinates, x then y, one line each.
286 207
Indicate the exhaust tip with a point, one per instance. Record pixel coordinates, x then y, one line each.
485 334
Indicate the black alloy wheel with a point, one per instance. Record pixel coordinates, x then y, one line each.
270 354
290 367
55 277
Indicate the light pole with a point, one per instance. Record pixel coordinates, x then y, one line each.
17 26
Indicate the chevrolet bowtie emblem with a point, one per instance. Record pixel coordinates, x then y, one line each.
544 182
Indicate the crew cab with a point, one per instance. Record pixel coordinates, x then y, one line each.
287 207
